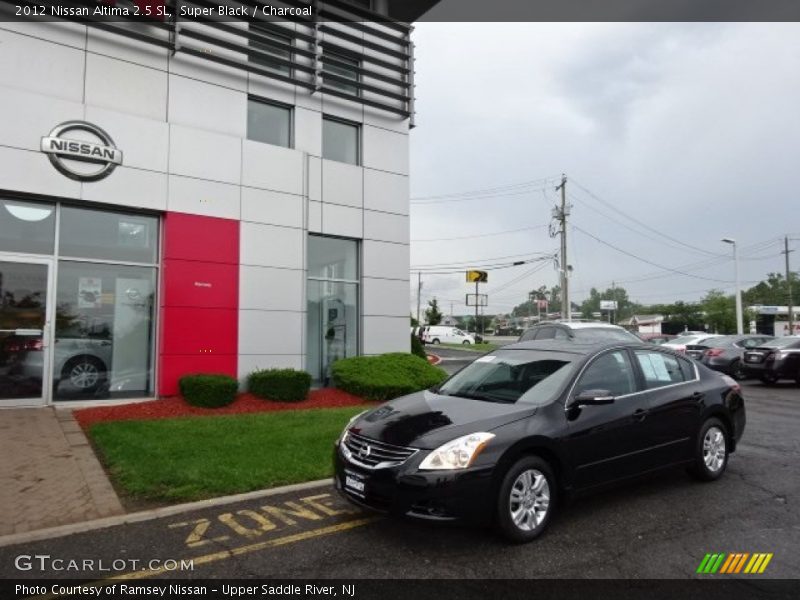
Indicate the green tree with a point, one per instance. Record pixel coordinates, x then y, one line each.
433 315
530 307
625 307
414 322
720 311
773 291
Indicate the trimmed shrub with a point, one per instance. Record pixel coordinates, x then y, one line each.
386 376
417 348
208 390
284 385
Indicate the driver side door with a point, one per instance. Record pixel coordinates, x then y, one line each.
607 442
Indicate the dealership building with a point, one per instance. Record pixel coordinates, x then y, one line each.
185 195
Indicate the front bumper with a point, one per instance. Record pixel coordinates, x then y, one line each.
406 491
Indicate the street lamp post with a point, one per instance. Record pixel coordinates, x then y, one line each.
739 326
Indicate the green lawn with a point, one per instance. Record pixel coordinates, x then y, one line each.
199 457
484 347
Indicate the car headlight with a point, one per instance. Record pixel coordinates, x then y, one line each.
456 454
344 434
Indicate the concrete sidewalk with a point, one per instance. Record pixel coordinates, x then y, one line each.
49 474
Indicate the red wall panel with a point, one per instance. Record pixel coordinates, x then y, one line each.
195 237
200 298
199 330
174 367
200 284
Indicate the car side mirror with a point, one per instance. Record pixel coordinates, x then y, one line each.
593 398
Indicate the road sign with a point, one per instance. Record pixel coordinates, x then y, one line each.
477 277
608 305
477 300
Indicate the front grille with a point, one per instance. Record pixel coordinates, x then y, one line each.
374 454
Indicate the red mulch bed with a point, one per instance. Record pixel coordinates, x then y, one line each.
175 406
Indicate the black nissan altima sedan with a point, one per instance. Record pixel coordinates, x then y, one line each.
507 436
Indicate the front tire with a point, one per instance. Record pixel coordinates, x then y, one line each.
737 370
435 341
711 451
465 343
769 379
526 499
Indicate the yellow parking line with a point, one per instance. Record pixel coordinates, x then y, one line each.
225 554
281 541
728 563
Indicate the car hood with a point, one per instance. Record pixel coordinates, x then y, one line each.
428 420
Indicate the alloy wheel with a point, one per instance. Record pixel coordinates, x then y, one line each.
84 375
714 449
529 499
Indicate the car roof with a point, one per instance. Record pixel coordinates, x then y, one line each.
572 346
578 324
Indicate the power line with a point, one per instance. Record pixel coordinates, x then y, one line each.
644 260
480 235
638 222
484 191
475 262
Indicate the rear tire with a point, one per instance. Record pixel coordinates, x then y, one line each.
769 379
84 373
711 451
465 343
526 500
435 341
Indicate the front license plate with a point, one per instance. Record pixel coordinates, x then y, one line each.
354 484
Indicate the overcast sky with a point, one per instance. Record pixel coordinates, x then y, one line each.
691 129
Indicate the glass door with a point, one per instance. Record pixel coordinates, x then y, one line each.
24 330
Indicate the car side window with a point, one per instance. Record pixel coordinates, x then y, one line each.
687 368
751 342
528 336
659 369
611 371
560 334
546 333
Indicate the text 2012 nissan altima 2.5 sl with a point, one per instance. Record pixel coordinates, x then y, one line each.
509 434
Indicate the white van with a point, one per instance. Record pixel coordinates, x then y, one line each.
438 334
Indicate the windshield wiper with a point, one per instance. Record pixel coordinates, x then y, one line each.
475 396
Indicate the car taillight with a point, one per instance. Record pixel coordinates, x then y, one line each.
714 352
777 355
34 344
732 383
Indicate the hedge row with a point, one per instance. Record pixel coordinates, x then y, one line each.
379 378
386 376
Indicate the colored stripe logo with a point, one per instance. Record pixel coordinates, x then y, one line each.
737 562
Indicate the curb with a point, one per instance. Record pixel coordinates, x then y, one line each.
155 513
434 359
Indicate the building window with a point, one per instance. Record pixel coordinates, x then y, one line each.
342 66
98 281
269 123
332 317
340 141
276 49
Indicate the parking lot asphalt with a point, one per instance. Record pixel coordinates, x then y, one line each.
660 527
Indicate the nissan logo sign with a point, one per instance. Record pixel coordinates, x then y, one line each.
77 157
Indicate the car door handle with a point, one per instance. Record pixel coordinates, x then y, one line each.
697 396
640 414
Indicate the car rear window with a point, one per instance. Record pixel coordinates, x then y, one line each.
784 342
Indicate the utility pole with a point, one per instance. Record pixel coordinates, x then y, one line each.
789 283
419 294
561 214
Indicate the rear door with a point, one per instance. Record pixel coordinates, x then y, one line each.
674 392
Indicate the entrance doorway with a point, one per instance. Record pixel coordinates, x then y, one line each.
25 330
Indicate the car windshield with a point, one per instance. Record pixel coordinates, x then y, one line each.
511 376
784 342
604 333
